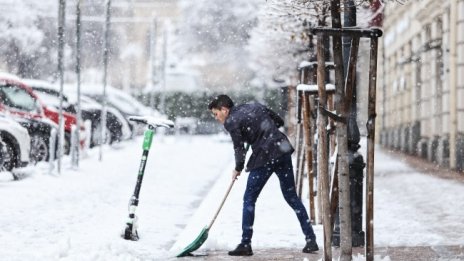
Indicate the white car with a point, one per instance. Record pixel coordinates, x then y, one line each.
15 144
124 102
117 126
113 115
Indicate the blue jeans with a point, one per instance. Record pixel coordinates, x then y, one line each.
256 181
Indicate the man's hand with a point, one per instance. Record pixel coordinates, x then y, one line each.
235 174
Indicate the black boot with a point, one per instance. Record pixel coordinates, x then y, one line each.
310 247
242 250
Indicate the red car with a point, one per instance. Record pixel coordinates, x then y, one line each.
19 99
69 120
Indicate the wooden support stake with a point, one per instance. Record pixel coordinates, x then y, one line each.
301 167
351 75
334 192
332 138
315 150
291 107
309 153
370 151
299 152
298 140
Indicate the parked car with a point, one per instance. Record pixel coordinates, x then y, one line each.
15 144
16 99
49 94
52 113
124 102
19 101
40 131
117 126
186 125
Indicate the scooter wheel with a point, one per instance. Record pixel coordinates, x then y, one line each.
128 233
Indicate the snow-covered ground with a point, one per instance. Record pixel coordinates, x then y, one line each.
80 214
415 209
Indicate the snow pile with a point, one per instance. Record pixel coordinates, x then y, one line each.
79 215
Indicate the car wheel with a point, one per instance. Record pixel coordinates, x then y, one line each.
115 134
39 149
8 155
67 144
96 132
2 155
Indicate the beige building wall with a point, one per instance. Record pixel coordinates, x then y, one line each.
415 87
460 65
133 68
445 80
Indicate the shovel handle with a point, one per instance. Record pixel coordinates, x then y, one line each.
222 204
225 196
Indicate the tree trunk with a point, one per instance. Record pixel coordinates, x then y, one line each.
342 141
322 150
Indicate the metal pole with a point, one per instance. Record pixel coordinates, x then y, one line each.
78 75
61 25
163 71
105 77
73 146
153 33
52 146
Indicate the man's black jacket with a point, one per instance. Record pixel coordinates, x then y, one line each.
257 125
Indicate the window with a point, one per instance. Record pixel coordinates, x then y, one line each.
16 97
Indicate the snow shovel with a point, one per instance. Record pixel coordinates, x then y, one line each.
201 238
130 232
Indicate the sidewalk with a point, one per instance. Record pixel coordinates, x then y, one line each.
390 253
418 215
427 167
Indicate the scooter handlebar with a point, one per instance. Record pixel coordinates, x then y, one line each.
154 122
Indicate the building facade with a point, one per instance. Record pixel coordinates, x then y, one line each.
421 85
144 24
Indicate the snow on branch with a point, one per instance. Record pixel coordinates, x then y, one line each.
281 40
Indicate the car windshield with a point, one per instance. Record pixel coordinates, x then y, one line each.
126 105
16 97
51 99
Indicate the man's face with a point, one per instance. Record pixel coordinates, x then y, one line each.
220 114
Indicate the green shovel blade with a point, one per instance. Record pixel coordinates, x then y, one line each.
201 238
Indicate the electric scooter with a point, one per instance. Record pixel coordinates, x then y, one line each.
130 232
